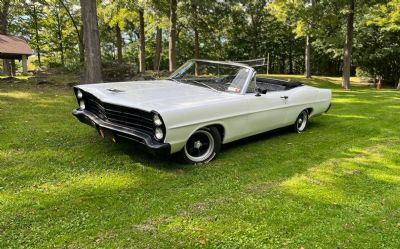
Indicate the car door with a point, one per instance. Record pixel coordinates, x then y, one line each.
266 111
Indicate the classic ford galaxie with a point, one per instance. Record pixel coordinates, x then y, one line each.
199 107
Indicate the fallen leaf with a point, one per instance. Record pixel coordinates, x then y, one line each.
202 241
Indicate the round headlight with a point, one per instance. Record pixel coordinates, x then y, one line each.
79 94
159 134
157 120
82 105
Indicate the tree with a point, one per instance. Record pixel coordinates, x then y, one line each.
302 16
37 37
119 43
142 58
4 12
59 22
158 11
114 15
348 46
157 50
91 41
172 35
78 31
385 15
384 18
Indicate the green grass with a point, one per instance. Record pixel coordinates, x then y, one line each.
336 185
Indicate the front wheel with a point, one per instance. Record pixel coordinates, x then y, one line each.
301 122
202 146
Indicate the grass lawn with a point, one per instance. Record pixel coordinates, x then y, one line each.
336 185
16 77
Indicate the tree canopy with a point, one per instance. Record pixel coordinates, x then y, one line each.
152 34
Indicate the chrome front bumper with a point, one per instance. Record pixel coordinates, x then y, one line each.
137 136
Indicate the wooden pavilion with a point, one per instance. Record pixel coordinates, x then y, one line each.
14 48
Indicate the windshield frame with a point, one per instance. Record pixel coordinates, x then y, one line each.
243 91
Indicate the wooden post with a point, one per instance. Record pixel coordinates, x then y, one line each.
24 65
13 68
6 67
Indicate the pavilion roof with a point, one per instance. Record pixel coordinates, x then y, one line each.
12 46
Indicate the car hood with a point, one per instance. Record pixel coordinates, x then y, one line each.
158 95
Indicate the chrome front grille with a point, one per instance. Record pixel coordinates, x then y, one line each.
124 116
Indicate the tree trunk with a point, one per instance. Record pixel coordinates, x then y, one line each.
196 50
348 45
35 22
398 85
290 55
60 36
283 64
119 43
3 31
172 35
78 33
196 44
81 46
142 54
91 41
4 17
290 62
307 58
157 51
255 39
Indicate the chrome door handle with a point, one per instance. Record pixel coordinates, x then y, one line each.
284 97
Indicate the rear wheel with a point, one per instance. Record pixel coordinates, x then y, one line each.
301 122
202 146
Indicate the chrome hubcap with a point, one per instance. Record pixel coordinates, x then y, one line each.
302 121
200 146
197 144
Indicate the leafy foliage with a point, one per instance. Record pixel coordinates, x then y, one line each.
225 30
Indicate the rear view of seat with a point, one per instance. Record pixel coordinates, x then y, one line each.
267 85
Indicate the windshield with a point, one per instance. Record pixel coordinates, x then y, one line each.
218 76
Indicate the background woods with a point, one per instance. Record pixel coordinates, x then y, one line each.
310 37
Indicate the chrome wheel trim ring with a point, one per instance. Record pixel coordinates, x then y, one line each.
302 121
204 156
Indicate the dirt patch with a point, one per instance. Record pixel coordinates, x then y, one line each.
260 187
150 225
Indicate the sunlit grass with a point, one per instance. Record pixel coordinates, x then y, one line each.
17 95
334 186
16 77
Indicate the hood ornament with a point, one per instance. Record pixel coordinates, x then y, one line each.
114 90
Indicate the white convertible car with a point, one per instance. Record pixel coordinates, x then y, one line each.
202 105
